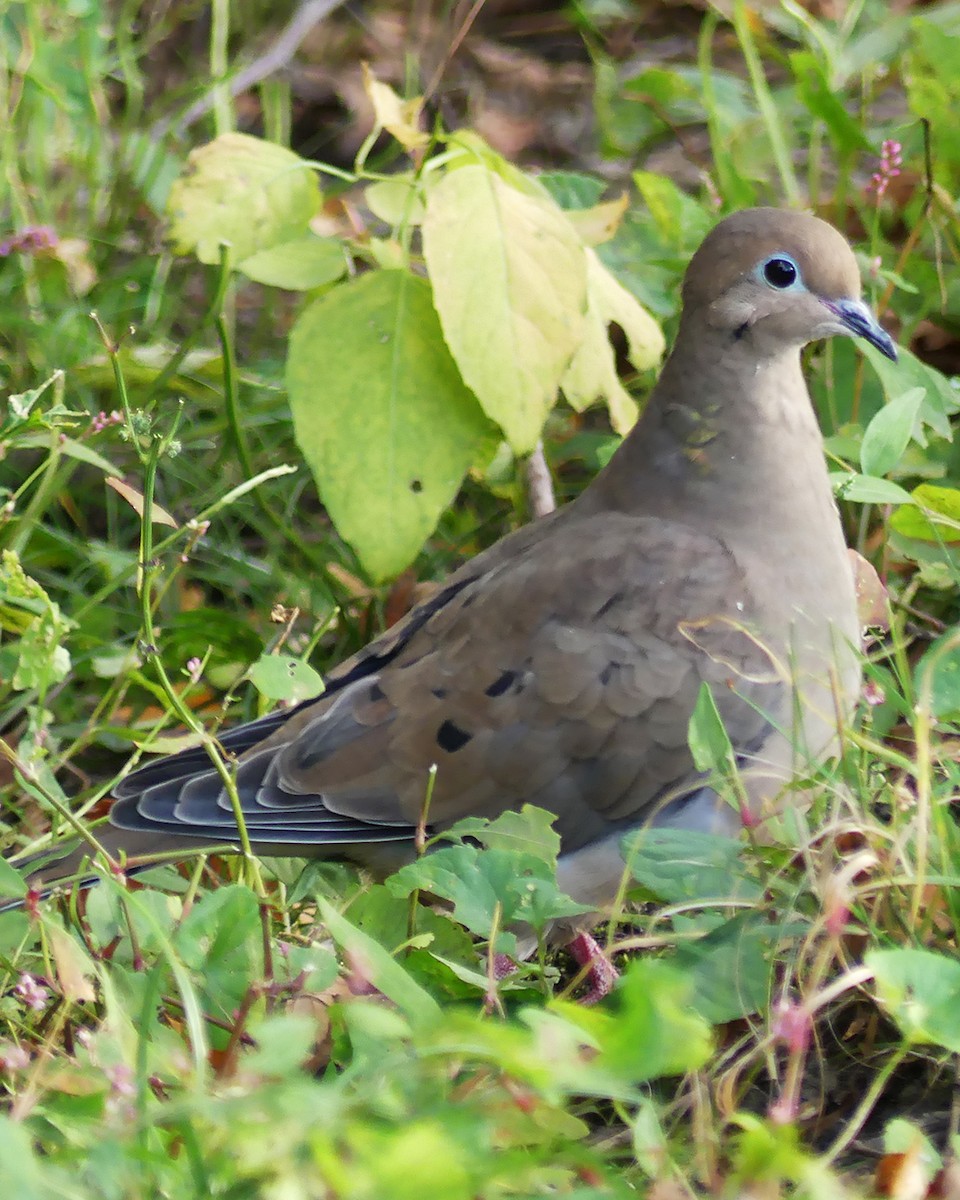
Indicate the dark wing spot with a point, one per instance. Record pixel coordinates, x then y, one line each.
740 331
499 686
605 607
451 737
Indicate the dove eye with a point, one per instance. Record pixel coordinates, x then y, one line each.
780 272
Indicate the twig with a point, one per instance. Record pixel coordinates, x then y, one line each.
539 483
274 58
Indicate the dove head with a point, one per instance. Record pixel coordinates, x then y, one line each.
775 280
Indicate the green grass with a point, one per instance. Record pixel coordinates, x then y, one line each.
787 1013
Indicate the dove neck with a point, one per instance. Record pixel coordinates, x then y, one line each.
726 430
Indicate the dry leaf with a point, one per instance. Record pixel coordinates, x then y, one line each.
135 499
74 969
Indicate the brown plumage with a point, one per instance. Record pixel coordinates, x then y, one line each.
560 667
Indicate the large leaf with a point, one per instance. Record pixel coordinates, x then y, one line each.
242 191
509 282
381 414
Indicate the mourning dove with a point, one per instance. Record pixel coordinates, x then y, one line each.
560 667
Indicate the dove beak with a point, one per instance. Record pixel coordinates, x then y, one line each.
856 318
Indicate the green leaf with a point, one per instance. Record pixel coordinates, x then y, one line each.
12 882
681 865
706 736
509 283
381 414
682 222
888 434
488 889
387 975
867 489
375 911
243 192
938 673
282 677
529 831
931 71
909 372
219 941
901 1136
21 1168
83 453
397 201
921 989
572 189
817 96
298 265
654 1030
937 517
283 1044
730 969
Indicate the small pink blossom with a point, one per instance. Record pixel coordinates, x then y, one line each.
13 1058
103 420
836 921
873 694
121 1080
891 160
33 994
29 240
792 1025
783 1111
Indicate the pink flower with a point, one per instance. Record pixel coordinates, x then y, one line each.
29 240
32 992
792 1025
891 160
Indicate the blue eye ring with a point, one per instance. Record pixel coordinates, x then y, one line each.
779 271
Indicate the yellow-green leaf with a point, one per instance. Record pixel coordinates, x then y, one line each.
381 414
509 284
396 200
937 519
243 192
282 677
592 375
304 263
